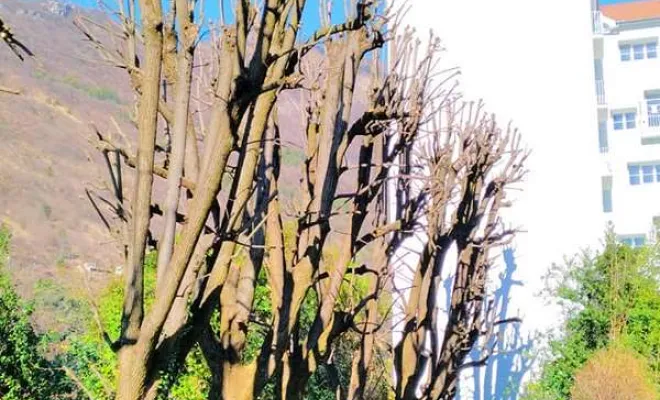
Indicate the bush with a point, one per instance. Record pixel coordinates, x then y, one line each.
610 298
24 372
615 373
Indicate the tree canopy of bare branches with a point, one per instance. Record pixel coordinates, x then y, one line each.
225 223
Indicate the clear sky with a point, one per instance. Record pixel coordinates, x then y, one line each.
212 11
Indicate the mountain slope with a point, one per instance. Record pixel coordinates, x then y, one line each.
47 160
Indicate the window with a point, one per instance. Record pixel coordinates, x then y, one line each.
606 183
625 52
633 174
633 241
647 173
618 121
638 51
624 120
643 173
630 120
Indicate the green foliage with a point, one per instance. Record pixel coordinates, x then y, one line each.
81 349
96 364
68 315
262 308
613 297
24 372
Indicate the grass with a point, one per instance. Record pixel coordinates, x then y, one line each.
292 157
97 92
66 313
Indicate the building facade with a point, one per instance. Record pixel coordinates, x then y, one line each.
627 78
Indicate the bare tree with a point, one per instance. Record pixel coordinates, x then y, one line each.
468 163
232 230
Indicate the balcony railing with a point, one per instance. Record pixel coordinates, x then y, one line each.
654 120
600 91
651 129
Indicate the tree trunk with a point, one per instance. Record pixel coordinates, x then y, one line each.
132 373
179 133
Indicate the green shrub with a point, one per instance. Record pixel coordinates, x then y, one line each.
96 364
612 298
24 372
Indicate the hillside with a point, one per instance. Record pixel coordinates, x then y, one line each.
47 160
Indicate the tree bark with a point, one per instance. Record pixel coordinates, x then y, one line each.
184 63
133 374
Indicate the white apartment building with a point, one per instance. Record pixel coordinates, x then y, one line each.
627 73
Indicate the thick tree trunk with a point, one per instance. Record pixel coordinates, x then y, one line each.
133 373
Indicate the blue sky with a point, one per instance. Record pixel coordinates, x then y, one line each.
212 12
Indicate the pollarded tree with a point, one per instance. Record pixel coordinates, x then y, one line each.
226 228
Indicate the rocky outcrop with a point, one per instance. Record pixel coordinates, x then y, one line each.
60 8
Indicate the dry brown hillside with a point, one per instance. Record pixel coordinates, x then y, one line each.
44 151
46 158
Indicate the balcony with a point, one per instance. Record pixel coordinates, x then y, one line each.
651 129
654 121
600 92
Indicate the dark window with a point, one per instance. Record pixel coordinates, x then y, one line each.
647 173
625 52
618 121
633 174
630 120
